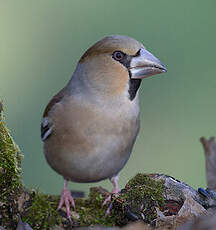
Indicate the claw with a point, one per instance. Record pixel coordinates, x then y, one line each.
116 189
109 210
107 200
66 199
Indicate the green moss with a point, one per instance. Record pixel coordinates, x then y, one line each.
10 163
42 214
91 211
10 174
143 194
142 190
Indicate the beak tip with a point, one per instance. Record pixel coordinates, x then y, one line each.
146 64
164 69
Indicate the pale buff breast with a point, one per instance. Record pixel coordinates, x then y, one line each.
95 144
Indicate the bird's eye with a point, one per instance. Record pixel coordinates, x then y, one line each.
118 55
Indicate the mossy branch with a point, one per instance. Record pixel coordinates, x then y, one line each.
10 175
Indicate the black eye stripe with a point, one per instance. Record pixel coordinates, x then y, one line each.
137 53
124 60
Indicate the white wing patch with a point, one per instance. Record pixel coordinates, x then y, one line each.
46 128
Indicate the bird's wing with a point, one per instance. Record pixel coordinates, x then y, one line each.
46 128
46 124
57 98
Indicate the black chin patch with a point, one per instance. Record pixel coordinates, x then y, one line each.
134 85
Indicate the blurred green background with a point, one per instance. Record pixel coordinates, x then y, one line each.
41 42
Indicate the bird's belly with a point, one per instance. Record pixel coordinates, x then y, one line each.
104 162
97 155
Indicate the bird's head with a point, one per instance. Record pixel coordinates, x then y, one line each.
116 64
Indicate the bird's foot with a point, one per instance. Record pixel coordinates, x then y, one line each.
66 199
108 199
109 209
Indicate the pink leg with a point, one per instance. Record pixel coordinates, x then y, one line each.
116 189
66 199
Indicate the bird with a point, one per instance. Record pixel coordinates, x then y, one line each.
89 127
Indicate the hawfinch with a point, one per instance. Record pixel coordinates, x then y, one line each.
90 126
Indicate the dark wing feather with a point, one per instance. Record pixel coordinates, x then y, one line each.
46 129
46 125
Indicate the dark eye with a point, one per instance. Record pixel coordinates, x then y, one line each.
118 55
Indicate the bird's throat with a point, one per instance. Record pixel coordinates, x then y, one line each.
134 85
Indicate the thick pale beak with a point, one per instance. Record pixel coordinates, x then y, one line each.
145 65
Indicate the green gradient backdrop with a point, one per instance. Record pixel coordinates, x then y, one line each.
41 41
